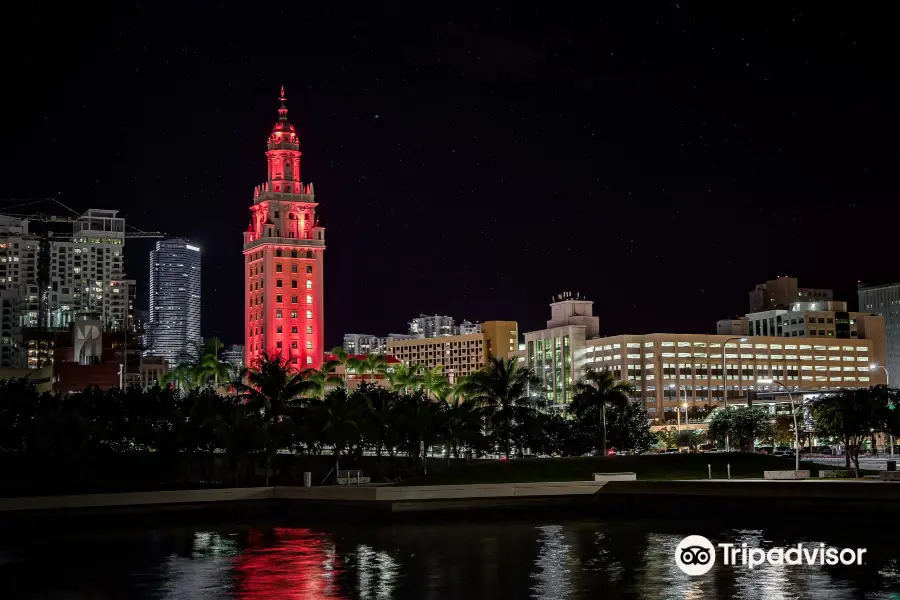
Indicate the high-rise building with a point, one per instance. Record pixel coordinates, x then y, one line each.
884 299
174 328
55 268
782 292
429 326
283 259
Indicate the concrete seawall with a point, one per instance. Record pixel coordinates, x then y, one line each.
441 498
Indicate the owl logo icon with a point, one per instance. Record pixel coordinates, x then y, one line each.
695 555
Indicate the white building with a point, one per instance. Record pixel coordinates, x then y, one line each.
429 326
363 343
670 369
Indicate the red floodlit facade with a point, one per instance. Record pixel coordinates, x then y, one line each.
283 251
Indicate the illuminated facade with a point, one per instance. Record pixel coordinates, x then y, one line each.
459 355
283 258
667 369
174 329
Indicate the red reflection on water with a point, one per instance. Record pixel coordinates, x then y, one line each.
295 565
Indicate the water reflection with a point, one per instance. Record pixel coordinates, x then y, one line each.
551 566
287 563
565 559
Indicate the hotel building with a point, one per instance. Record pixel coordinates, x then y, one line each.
283 259
667 369
459 355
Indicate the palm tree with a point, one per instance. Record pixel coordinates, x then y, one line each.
503 391
593 393
322 378
376 364
272 388
210 365
434 382
406 378
461 425
341 359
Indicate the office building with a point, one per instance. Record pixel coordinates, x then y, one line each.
668 368
459 355
884 299
283 259
782 292
174 328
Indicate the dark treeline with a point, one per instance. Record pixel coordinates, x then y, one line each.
277 422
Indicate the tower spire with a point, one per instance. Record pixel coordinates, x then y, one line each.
282 110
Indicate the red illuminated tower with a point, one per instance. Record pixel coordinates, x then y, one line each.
283 251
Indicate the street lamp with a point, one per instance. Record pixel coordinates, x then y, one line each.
725 377
794 412
887 381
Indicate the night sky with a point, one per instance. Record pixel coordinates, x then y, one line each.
660 161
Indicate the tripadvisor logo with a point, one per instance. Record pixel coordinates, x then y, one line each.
696 555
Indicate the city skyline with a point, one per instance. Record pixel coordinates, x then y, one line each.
688 156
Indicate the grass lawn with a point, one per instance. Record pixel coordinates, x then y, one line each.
649 467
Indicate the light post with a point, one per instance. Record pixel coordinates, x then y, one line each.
887 381
794 412
725 377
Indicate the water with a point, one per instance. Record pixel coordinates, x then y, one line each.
432 560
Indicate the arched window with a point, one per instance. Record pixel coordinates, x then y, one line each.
292 217
278 253
293 254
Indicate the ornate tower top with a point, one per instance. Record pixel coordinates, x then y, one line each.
283 134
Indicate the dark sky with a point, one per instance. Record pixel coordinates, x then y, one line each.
661 161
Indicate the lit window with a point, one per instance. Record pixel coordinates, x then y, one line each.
309 299
309 329
309 345
309 314
309 360
278 314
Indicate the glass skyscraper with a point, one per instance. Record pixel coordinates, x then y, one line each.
174 327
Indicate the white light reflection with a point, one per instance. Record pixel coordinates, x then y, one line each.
552 573
670 581
206 574
377 572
